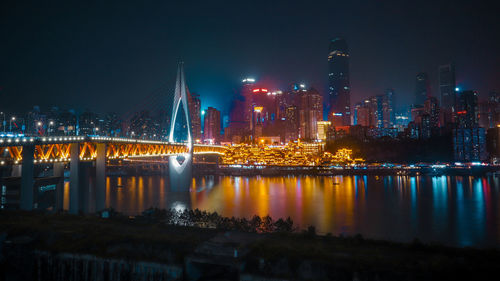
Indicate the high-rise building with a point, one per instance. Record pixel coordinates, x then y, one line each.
447 86
339 92
422 89
291 123
388 109
467 109
194 104
310 112
211 128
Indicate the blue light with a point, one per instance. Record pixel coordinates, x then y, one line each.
457 89
203 112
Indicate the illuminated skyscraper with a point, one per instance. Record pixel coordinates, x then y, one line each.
194 104
339 92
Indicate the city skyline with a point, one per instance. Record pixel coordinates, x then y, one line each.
101 62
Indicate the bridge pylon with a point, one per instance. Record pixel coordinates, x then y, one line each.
180 166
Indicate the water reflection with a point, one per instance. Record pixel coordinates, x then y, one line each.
454 210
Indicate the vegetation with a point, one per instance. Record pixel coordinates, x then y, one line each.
437 148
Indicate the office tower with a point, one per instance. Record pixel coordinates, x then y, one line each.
310 112
422 89
194 104
467 109
469 140
211 128
339 95
447 87
388 109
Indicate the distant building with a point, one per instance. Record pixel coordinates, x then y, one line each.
323 128
447 86
422 88
339 95
212 126
431 107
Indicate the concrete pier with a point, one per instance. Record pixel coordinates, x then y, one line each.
74 179
59 172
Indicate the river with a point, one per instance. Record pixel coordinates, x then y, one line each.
457 211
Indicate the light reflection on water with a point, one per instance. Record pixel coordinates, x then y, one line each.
461 211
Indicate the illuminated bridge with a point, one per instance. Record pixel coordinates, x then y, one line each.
18 156
58 149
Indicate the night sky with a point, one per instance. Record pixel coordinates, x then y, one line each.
111 56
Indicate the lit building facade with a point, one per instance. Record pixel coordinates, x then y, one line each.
339 92
212 126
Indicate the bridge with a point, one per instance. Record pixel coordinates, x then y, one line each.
21 154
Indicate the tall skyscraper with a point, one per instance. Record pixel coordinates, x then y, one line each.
447 86
211 129
422 89
194 104
467 109
310 113
339 92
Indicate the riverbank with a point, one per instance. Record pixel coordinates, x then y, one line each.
56 246
368 170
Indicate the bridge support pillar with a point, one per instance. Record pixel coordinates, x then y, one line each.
100 177
84 186
74 179
59 172
27 182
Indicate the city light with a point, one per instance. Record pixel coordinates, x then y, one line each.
457 89
248 80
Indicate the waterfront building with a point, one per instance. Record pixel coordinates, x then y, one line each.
467 109
469 144
338 101
323 128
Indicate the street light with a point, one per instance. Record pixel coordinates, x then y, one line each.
10 123
51 123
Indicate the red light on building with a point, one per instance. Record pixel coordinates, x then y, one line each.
462 112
